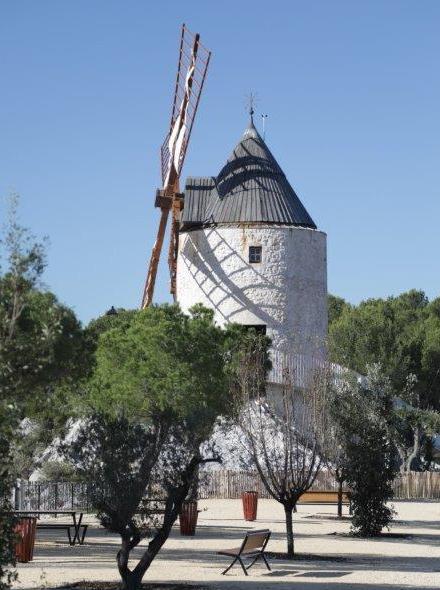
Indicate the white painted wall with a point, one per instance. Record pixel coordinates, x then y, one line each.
287 291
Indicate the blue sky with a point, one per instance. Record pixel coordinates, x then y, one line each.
352 90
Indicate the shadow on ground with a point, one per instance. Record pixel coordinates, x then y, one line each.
299 585
101 547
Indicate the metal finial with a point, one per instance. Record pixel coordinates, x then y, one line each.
250 104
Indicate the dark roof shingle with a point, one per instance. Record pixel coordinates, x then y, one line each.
250 188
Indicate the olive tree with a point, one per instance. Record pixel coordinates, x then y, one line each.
411 426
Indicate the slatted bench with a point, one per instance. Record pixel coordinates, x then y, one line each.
326 497
252 547
67 528
323 497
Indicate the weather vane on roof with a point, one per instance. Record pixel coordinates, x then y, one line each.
251 101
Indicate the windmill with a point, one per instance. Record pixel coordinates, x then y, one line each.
191 73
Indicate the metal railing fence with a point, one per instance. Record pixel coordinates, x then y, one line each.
221 484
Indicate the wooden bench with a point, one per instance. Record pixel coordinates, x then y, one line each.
67 528
323 497
252 547
326 497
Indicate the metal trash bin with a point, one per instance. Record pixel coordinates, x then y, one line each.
25 530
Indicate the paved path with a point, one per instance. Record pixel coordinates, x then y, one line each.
392 564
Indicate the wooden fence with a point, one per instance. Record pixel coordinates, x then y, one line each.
226 484
414 485
230 484
222 484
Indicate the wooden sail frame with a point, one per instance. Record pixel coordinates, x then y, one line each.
192 67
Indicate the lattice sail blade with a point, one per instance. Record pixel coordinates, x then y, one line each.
191 72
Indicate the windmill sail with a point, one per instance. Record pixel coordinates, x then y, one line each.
180 127
191 72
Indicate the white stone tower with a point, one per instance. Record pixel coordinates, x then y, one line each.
250 251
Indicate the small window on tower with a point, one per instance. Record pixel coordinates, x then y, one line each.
254 254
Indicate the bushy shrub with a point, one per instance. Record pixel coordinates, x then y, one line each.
360 412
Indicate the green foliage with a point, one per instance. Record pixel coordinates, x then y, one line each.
41 341
401 333
24 260
336 305
117 455
412 427
41 347
42 365
59 471
162 360
122 319
7 557
159 384
47 347
430 355
361 414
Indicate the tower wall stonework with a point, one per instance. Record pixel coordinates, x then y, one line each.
287 291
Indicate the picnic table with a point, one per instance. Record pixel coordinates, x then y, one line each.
76 522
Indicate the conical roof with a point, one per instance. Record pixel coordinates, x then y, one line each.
250 188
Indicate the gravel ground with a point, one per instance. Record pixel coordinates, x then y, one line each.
409 559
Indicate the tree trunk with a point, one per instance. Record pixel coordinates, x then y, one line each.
289 530
130 578
401 451
194 488
415 450
428 453
340 482
131 581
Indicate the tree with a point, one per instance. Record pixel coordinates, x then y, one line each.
401 333
159 384
41 346
121 319
430 358
49 412
25 263
336 305
41 341
411 426
47 359
284 439
361 411
336 462
7 557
